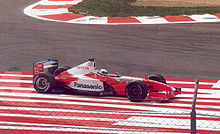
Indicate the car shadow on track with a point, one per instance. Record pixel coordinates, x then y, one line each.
66 91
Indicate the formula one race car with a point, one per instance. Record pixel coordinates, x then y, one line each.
84 78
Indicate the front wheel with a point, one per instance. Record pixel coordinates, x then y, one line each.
43 83
136 91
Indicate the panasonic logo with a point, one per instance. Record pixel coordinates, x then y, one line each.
88 86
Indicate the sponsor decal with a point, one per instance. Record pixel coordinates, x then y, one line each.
82 68
39 65
37 68
90 64
88 86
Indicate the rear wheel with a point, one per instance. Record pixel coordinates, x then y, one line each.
157 77
43 83
136 91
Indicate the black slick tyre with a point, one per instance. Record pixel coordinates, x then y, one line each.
43 83
157 77
136 91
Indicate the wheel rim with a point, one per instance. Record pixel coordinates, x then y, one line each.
134 91
42 83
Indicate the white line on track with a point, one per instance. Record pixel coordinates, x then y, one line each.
48 11
16 75
90 20
72 99
212 96
152 20
34 109
198 100
132 121
59 117
205 18
191 83
134 107
64 97
83 129
201 105
17 88
215 94
169 123
132 113
102 102
202 90
161 108
79 129
188 105
76 98
59 2
17 81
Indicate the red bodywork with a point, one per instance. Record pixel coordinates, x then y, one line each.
38 68
90 78
156 90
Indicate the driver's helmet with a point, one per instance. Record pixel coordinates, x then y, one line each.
103 72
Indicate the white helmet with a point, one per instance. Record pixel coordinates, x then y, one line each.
103 72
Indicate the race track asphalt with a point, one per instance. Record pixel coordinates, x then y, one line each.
174 50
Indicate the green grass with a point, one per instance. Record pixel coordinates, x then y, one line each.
113 8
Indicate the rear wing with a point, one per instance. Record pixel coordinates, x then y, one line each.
48 66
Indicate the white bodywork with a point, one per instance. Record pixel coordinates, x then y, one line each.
84 68
85 83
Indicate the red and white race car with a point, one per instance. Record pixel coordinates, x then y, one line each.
85 78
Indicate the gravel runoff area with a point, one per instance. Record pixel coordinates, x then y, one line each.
177 3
